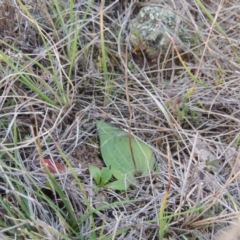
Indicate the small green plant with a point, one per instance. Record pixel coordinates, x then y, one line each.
184 114
124 155
103 176
100 176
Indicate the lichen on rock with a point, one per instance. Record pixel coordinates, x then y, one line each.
151 29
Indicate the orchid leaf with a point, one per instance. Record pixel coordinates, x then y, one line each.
118 185
95 173
106 175
116 152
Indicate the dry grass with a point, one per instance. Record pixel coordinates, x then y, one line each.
54 86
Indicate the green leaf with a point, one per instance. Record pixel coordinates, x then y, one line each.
116 153
118 185
95 173
106 175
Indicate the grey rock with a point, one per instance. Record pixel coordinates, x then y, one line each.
149 30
